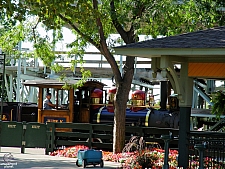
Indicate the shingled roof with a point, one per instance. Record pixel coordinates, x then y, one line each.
210 38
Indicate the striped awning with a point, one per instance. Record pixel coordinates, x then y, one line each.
206 70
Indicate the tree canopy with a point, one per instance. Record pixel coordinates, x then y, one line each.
92 21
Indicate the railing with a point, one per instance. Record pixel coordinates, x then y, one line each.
98 136
90 135
211 145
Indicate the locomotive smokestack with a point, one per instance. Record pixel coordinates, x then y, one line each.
163 94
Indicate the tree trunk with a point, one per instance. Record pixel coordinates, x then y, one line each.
120 105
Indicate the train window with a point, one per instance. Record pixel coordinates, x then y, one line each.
60 98
63 99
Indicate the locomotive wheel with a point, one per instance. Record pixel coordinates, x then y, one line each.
84 163
101 164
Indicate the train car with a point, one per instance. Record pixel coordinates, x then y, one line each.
69 105
11 111
17 111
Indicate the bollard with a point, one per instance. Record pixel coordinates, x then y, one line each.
23 144
167 139
201 148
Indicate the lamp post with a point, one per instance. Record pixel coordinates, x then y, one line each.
167 139
2 67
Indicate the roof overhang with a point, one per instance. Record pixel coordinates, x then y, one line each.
48 83
182 52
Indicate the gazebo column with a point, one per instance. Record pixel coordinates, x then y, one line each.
185 103
183 86
184 127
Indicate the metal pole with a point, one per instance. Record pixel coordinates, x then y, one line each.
121 65
18 75
167 139
2 58
201 148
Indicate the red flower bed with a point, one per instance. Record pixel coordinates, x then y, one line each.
69 152
128 160
147 158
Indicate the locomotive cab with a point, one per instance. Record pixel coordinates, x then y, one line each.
61 98
64 100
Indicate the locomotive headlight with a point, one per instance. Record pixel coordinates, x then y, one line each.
111 97
138 102
95 100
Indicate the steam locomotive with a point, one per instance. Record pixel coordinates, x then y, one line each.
137 114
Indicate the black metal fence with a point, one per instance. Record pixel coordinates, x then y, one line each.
211 145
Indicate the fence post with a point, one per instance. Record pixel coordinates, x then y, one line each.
90 136
0 135
23 144
50 131
201 148
167 139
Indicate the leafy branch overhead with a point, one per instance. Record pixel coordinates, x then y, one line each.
43 47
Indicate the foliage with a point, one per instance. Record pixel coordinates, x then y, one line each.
218 104
153 157
144 158
135 144
43 47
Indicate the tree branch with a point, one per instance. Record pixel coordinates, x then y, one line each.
116 23
141 7
104 48
33 30
79 32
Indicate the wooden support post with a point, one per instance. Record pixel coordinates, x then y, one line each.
71 104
